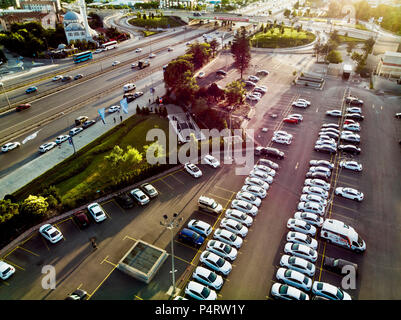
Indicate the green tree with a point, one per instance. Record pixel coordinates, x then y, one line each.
357 57
34 205
241 51
8 209
235 92
334 56
214 44
350 46
185 91
287 13
368 46
215 92
200 53
175 71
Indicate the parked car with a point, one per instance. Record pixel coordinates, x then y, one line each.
355 127
298 264
271 152
6 270
294 278
75 131
88 123
268 163
329 291
349 193
139 196
317 175
228 237
97 212
324 163
211 161
10 146
334 113
124 200
282 133
326 148
81 219
354 110
113 109
191 237
209 205
301 226
208 278
313 198
351 165
300 104
297 116
282 140
253 78
310 218
311 206
50 233
261 175
330 125
260 89
326 171
349 148
248 197
301 238
301 251
199 291
350 138
193 170
47 146
354 116
239 216
354 101
330 134
337 265
200 227
317 183
216 263
317 191
222 249
234 226
286 292
256 182
291 120
255 190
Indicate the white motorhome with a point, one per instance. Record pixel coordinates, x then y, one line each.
339 233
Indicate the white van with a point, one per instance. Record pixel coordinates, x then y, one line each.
339 233
129 87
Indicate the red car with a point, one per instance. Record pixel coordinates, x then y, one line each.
22 107
290 120
348 121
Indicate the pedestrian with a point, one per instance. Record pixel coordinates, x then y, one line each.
121 118
149 100
114 118
93 242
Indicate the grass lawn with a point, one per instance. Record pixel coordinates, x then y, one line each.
273 38
156 22
350 39
147 33
80 176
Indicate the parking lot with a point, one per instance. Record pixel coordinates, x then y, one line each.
376 218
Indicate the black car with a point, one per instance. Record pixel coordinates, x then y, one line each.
349 148
88 123
77 295
81 219
66 78
336 265
221 73
317 175
271 152
354 101
78 76
354 116
124 200
398 115
132 96
326 149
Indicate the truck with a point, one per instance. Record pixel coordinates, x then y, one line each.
347 69
143 64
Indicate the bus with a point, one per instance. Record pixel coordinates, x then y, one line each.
109 45
83 56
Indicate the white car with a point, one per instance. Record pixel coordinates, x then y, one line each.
298 264
199 291
316 191
228 237
286 292
334 113
234 226
98 50
330 125
269 171
97 212
215 262
6 270
355 127
282 133
138 50
10 146
320 169
297 116
57 78
309 217
115 63
282 140
249 197
253 97
304 101
208 278
201 75
62 138
113 109
354 110
268 163
350 138
193 170
317 183
255 190
47 146
50 233
222 249
325 142
299 104
301 226
211 161
260 89
75 131
313 207
313 198
152 55
244 206
253 78
200 227
334 130
301 251
239 216
349 193
324 163
329 291
351 165
302 238
252 181
139 196
261 175
294 278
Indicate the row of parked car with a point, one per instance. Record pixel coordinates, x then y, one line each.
222 249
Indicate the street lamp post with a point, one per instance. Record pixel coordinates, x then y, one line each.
5 93
171 224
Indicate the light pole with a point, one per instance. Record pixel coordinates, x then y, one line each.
171 224
5 93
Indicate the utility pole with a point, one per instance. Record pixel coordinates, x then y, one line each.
5 93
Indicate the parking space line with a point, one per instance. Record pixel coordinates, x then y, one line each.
104 260
177 179
116 203
167 184
348 184
128 237
79 287
185 245
224 189
5 282
76 225
190 263
108 216
27 239
108 201
58 228
35 254
350 178
43 240
100 284
56 224
161 178
321 265
138 298
10 252
111 263
213 195
13 264
340 206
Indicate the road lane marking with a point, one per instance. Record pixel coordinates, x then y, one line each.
177 179
296 166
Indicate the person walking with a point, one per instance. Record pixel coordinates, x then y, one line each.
114 118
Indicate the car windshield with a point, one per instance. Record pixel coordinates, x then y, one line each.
287 273
305 281
238 226
340 294
54 234
214 204
212 277
233 237
6 271
302 296
308 240
220 262
205 292
283 289
227 249
360 241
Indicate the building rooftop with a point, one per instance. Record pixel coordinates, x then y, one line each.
392 57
